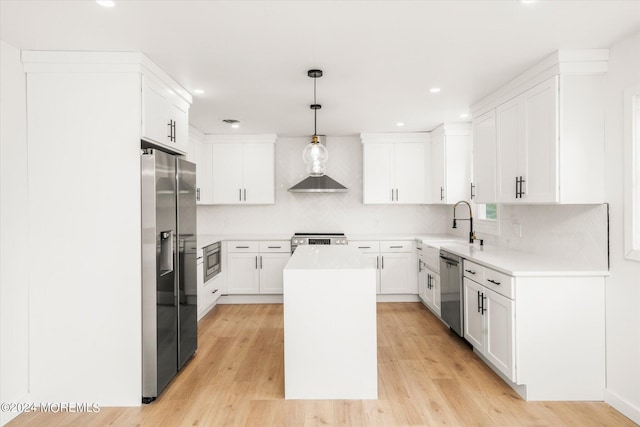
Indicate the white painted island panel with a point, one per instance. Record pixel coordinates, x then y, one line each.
330 343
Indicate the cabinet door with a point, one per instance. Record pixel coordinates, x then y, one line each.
204 173
397 275
200 282
509 139
422 282
373 260
271 266
499 319
179 114
438 185
227 173
155 124
258 173
484 158
435 288
242 273
377 173
473 316
410 173
540 168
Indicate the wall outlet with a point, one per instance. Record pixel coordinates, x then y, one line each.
517 229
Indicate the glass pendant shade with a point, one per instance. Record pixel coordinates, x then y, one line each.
315 156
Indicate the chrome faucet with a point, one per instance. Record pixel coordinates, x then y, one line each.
472 234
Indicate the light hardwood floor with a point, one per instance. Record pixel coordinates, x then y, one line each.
426 375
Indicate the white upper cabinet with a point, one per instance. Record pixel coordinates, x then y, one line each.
242 169
549 133
450 163
204 168
527 141
165 115
484 158
395 168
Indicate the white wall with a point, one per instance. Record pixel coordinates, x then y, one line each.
338 212
84 220
623 287
14 254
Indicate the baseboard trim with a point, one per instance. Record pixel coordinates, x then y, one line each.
623 406
6 416
397 298
250 299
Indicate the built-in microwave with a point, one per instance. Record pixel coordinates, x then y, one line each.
212 263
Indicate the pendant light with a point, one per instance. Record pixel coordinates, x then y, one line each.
315 155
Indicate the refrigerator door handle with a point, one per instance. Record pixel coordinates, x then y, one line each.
166 252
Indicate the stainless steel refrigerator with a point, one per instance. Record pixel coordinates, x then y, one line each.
169 288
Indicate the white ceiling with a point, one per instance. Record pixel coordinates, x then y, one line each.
379 58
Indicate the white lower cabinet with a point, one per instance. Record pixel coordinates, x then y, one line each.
518 325
488 325
396 264
432 292
208 292
256 267
271 266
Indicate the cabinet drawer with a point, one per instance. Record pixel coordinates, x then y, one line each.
473 271
499 282
366 246
210 292
397 245
242 246
275 246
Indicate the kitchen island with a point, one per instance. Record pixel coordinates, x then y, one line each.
330 344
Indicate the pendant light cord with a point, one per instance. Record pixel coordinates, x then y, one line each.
315 111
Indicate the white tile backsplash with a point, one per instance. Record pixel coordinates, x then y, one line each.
337 212
572 232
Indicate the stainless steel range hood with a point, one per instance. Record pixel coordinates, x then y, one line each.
318 184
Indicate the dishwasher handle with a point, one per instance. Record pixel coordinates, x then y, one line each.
449 260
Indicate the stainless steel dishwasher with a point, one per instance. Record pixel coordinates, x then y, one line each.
451 308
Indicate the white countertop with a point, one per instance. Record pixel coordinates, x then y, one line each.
517 263
207 239
326 257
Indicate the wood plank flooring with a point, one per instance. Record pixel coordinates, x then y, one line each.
426 375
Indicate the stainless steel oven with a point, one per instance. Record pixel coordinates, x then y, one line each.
317 239
212 263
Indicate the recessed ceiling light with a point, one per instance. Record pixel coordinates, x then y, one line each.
399 124
464 116
434 90
233 122
198 91
106 3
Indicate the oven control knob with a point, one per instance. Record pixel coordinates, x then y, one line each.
343 241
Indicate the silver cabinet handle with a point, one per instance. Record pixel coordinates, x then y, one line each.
364 247
471 272
256 262
240 194
242 247
396 247
493 281
382 261
260 262
244 192
274 247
